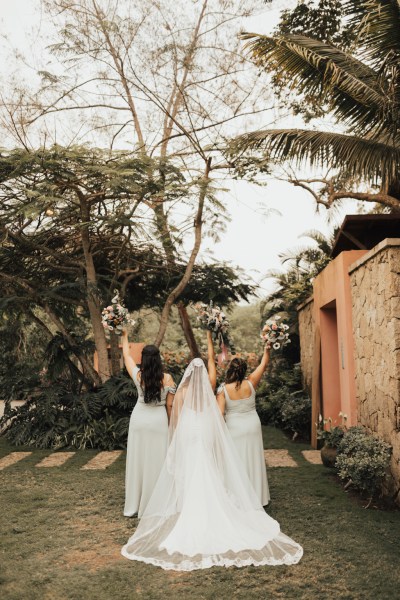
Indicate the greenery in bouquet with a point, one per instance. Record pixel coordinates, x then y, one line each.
275 334
213 319
116 316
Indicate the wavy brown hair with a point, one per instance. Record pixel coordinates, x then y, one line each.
236 371
151 374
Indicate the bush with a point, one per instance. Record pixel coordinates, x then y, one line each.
296 414
363 460
56 417
282 402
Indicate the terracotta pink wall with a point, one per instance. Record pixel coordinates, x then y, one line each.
330 365
332 314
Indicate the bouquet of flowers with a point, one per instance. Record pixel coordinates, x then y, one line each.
275 334
214 319
116 316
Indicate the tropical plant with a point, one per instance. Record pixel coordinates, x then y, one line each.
361 91
318 19
57 417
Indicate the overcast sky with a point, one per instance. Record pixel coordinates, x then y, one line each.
252 241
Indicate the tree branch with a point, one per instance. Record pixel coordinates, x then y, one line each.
332 195
189 267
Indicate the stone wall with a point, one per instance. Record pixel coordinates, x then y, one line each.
306 331
375 290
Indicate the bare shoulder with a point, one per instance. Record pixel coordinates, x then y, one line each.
168 379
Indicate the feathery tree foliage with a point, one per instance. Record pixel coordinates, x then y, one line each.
70 218
361 90
73 229
172 100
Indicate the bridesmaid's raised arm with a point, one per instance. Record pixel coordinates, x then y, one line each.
212 371
255 376
128 360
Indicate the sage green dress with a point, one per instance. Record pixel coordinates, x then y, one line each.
244 426
146 449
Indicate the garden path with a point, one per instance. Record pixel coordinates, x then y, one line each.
102 460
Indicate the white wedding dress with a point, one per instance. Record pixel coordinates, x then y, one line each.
203 511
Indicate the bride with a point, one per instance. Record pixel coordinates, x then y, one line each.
203 511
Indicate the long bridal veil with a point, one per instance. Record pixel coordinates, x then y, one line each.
203 511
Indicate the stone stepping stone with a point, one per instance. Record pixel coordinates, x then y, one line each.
55 460
102 460
279 458
313 456
12 458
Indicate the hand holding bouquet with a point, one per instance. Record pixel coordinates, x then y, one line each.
214 319
275 334
210 317
116 317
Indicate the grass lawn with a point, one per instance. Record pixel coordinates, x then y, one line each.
62 529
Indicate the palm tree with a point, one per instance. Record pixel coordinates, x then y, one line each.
362 92
311 258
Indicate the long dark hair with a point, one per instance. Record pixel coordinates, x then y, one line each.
151 374
236 371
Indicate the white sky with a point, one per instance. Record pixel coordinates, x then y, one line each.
251 241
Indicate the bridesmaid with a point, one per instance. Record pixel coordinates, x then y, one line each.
148 426
237 399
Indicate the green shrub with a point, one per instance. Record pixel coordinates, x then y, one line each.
296 414
282 402
363 460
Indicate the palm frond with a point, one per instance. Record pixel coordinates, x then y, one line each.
363 158
353 90
324 242
378 22
293 255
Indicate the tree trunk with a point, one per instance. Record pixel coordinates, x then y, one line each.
85 362
92 299
115 353
188 331
189 267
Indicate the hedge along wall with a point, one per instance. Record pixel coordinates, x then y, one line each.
375 290
306 331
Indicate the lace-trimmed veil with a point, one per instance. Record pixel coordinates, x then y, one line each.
203 511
